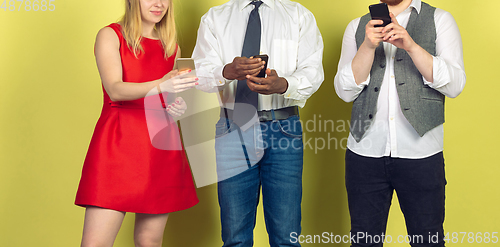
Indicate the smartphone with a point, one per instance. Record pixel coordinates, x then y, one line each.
380 12
264 58
185 63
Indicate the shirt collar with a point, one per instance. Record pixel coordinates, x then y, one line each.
244 3
417 5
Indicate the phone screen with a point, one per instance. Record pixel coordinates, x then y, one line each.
380 12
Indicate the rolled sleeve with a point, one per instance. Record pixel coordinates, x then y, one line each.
345 84
448 65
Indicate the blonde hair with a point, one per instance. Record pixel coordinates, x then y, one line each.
132 28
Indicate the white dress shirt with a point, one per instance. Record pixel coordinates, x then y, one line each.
290 37
391 134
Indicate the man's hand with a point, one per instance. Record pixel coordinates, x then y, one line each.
398 36
373 35
241 67
270 85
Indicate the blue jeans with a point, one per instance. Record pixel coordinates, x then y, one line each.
420 185
278 173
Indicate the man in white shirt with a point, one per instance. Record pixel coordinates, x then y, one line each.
267 154
398 77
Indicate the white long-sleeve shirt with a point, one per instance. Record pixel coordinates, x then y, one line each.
289 36
391 134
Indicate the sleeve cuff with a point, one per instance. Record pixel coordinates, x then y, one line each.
362 84
348 83
439 72
219 78
292 92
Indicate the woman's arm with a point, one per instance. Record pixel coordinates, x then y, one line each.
107 53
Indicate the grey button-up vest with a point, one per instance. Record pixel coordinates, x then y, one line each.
422 106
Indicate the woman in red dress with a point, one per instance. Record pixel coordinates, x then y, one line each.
123 170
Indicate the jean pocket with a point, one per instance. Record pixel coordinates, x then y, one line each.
222 128
291 127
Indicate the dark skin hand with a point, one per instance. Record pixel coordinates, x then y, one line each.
270 85
241 67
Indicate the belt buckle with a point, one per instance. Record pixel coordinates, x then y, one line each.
263 116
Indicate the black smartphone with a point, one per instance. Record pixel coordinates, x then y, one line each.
264 58
380 12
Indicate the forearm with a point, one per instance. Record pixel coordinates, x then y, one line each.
423 61
126 91
344 82
362 63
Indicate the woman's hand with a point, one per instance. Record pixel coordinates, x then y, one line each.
176 82
177 108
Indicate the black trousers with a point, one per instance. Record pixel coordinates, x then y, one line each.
420 186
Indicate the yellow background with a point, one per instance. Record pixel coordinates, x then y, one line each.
50 99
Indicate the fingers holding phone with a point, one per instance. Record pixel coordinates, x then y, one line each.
185 66
242 66
373 34
272 84
178 84
375 28
265 59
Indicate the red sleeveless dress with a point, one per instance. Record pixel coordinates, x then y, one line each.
123 171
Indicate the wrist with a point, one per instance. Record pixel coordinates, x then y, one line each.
158 88
225 72
367 45
285 85
413 49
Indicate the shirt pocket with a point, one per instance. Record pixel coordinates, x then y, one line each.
284 56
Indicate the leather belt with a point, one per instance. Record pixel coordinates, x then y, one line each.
264 116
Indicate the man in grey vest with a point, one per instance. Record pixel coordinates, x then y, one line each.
398 77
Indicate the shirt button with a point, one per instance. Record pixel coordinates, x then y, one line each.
392 76
392 119
393 58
